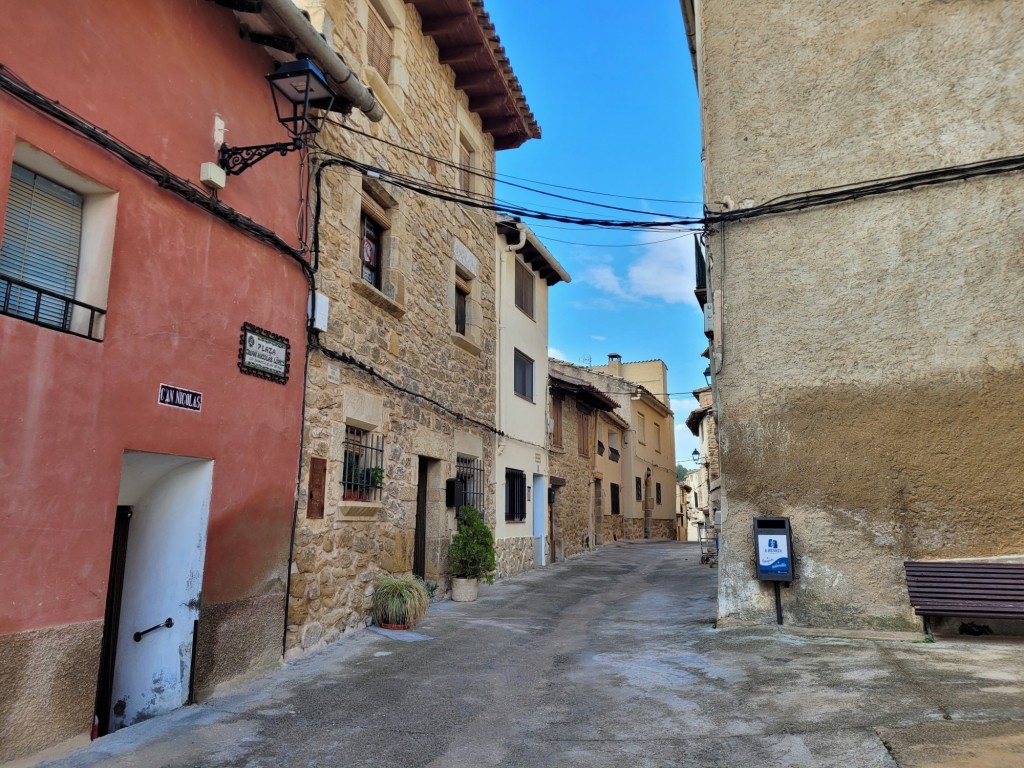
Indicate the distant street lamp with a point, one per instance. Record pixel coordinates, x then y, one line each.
696 456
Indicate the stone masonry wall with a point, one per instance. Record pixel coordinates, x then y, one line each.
405 331
614 530
573 514
514 556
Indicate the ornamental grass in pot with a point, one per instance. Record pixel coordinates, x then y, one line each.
399 600
471 557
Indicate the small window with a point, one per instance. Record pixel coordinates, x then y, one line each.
362 471
582 433
515 495
370 252
379 43
657 438
614 489
556 422
657 493
40 251
524 288
641 428
470 470
523 384
466 165
639 489
461 295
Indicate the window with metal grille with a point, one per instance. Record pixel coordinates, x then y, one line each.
524 288
639 489
379 43
515 495
556 422
523 376
615 497
582 433
40 250
470 471
657 492
362 471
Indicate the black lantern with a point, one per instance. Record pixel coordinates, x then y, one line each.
298 88
696 456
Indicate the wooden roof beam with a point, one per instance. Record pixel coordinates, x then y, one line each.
439 25
486 102
458 54
464 80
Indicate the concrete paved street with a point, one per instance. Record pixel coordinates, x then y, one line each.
607 660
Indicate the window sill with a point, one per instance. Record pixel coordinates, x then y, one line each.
374 296
382 91
359 512
527 399
515 522
465 343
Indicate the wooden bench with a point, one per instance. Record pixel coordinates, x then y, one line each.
979 589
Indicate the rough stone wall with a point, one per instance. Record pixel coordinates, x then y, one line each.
58 665
869 377
514 556
406 333
633 528
663 529
573 511
614 530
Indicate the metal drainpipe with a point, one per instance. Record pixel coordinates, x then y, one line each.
499 291
348 85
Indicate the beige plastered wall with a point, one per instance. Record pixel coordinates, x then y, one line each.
868 364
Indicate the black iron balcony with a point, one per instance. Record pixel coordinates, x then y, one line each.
49 309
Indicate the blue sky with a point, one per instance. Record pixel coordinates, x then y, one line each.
612 88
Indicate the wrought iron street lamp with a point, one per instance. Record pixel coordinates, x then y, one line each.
298 88
696 456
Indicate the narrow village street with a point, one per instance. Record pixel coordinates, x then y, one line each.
610 659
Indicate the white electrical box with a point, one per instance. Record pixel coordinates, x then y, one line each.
709 320
212 176
319 310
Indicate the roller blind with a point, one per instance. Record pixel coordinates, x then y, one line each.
41 244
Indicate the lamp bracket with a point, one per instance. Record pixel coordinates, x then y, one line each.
234 160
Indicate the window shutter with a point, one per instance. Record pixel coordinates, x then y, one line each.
379 44
42 238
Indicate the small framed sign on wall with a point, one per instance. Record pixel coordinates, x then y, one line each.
264 354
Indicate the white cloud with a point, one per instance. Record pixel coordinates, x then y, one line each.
599 338
557 354
661 270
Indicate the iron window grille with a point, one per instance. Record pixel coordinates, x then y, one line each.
600 448
362 472
613 454
615 497
515 495
46 308
639 490
470 471
657 492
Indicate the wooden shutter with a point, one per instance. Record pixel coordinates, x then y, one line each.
379 43
41 243
317 487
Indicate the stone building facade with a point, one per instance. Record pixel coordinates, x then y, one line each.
581 504
646 465
867 356
401 383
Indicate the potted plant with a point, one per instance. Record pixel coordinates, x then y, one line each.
470 555
399 600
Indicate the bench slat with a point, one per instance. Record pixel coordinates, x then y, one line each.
991 590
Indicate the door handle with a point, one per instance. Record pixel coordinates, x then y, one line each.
139 635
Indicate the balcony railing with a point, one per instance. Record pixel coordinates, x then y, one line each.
613 454
49 309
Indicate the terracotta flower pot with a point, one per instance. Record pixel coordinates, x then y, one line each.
392 626
465 590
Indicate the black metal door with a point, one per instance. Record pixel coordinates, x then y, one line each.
419 555
111 620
